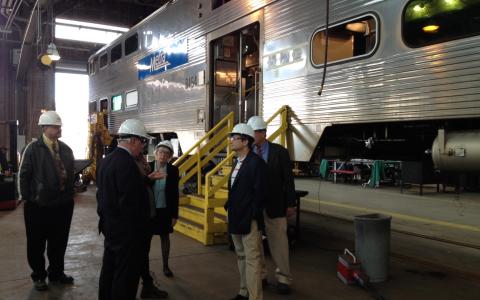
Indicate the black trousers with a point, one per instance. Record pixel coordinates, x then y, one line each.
121 269
47 227
146 277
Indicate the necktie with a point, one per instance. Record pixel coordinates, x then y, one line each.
62 174
260 151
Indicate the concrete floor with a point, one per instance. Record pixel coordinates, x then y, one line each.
448 215
210 272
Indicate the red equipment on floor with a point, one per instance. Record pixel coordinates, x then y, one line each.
349 269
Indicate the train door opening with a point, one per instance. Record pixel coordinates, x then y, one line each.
235 74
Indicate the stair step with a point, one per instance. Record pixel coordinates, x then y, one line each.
221 193
199 201
197 215
221 211
226 170
217 178
195 231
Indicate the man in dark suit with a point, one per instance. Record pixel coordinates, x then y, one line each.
123 209
279 204
246 192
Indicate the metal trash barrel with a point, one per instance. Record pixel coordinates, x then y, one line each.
372 244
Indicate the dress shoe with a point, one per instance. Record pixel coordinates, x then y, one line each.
150 291
167 272
62 279
283 289
239 297
40 285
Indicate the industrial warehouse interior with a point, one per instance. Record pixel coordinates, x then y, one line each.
239 149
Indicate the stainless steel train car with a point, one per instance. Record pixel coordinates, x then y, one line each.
363 78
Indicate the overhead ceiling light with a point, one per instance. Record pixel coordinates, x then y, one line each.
52 52
359 27
430 28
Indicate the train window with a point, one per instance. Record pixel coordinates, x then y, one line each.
352 39
116 53
90 67
95 65
92 107
103 105
218 3
117 102
427 22
131 99
103 60
131 44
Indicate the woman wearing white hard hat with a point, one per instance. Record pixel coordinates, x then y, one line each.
165 188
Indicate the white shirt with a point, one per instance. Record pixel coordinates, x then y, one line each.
235 170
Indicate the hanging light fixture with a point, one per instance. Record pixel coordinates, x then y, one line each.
52 54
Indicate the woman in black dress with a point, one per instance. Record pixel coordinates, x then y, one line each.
165 189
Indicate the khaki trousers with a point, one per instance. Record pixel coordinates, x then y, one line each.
248 249
276 230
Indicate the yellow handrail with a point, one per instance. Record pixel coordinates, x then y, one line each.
210 191
191 162
282 130
206 149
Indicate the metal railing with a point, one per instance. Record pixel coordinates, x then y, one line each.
214 141
281 131
193 160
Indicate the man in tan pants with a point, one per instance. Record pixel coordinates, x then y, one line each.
246 194
279 202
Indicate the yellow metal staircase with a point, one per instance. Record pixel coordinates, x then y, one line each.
201 215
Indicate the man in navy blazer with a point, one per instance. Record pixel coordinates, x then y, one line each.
280 202
124 212
246 193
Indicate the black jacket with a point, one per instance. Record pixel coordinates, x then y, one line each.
281 187
246 195
122 199
38 179
171 189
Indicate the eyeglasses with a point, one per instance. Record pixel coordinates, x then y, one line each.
235 138
166 152
143 140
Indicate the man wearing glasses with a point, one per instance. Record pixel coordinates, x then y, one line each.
124 211
246 192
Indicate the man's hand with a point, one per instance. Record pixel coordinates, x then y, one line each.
174 222
291 211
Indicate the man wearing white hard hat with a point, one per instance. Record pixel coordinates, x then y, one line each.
45 182
124 212
246 193
279 203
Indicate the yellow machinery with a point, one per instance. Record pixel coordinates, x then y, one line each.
98 138
202 216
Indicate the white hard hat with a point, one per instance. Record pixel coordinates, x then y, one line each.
244 129
257 123
167 144
133 127
50 118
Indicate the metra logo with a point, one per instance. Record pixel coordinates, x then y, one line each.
159 61
163 60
